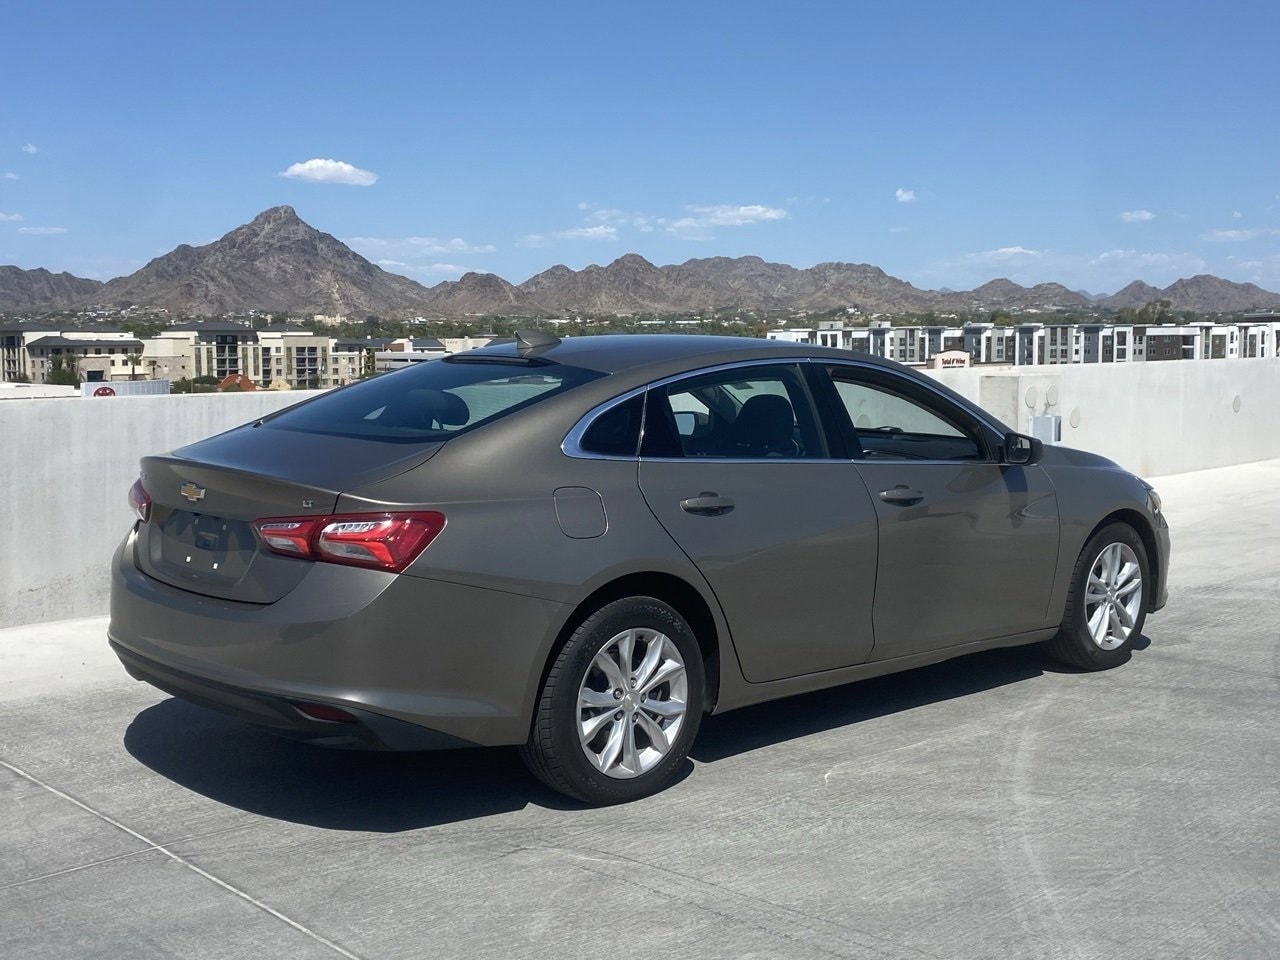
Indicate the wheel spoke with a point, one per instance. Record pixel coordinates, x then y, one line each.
1115 627
1098 624
1095 590
607 757
669 670
657 736
663 708
630 755
606 665
626 648
1128 589
1126 618
652 657
589 728
597 699
1113 562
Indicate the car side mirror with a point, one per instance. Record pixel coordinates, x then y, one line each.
1021 450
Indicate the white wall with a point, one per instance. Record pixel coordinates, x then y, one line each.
67 464
1151 418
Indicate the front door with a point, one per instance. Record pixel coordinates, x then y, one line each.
968 546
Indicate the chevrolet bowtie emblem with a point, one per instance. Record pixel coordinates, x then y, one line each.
192 492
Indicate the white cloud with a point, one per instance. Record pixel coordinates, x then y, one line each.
899 229
1005 254
704 217
1236 214
431 269
598 232
330 171
905 196
1136 216
603 223
42 231
407 248
1237 236
8 175
10 217
626 218
728 215
30 148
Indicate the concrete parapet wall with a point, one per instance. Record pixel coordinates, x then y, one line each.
67 464
1151 418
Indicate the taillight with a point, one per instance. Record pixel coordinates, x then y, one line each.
140 501
384 541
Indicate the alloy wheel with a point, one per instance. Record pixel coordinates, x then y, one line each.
1113 597
632 703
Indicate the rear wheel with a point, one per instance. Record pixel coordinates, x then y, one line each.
621 704
1107 604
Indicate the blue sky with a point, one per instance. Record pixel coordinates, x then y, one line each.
1087 143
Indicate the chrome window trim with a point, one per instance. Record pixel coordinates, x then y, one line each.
571 446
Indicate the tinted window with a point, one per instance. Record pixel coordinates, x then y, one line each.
892 421
746 413
616 432
431 401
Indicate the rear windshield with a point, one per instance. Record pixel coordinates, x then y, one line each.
433 400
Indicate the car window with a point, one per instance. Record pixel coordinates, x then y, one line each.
891 421
744 413
616 432
430 401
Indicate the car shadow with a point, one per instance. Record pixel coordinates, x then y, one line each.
243 767
781 720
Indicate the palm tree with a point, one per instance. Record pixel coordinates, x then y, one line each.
134 359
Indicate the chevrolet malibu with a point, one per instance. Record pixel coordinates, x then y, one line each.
582 547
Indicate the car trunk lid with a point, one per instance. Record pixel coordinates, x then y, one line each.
204 498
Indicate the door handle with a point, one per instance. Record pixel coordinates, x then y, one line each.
901 494
707 504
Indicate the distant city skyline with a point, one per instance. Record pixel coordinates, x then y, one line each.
1088 144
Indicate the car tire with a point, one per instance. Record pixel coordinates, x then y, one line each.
1105 608
620 705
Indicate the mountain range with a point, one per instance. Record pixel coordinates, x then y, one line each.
279 263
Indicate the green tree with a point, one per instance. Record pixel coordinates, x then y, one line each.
133 360
63 371
1156 311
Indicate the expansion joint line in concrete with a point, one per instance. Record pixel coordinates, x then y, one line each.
161 848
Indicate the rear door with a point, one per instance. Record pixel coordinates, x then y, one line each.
968 545
736 469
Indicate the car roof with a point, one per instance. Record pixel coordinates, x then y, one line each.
619 353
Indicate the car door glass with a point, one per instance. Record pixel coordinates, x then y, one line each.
890 425
745 413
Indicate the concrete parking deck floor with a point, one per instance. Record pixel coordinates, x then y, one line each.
996 806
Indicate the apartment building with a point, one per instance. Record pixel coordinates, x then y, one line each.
32 351
1038 344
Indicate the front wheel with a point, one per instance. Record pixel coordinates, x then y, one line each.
620 706
1107 603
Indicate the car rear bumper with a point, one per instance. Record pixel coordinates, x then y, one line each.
363 731
418 664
